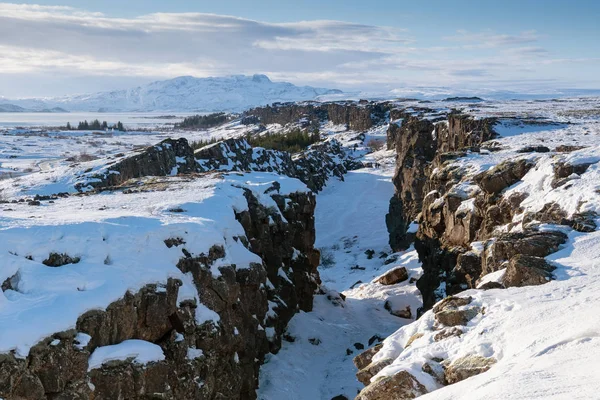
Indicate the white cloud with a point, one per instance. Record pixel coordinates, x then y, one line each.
39 40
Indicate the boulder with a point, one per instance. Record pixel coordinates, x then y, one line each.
394 276
530 242
401 386
364 359
364 375
527 271
454 311
466 367
503 175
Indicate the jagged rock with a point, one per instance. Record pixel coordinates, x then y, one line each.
239 155
453 311
552 213
503 175
364 359
169 157
463 131
232 349
466 367
364 375
401 386
526 270
469 266
415 148
58 260
529 242
394 276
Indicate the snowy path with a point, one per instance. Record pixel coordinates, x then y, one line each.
350 218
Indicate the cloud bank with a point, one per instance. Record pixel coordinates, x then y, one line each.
54 45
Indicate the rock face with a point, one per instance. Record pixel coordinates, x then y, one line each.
213 358
455 209
313 166
415 148
526 271
169 157
401 386
356 116
453 311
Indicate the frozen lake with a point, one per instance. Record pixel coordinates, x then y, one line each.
130 120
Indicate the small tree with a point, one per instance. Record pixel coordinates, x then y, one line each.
69 126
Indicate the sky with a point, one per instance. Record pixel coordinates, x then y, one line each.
54 48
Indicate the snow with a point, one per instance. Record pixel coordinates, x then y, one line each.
185 93
141 351
127 229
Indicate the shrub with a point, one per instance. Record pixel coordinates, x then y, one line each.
293 142
204 121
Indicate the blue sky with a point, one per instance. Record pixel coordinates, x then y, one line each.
59 47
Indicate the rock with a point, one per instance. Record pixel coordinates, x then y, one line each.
533 149
359 346
339 397
466 367
58 260
364 375
530 242
567 149
503 175
375 338
169 157
453 311
394 276
415 149
469 266
435 369
552 213
447 332
401 386
527 270
364 358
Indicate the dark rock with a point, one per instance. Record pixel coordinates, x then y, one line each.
359 346
58 260
533 149
394 276
526 270
529 243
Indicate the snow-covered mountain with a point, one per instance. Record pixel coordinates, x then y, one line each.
186 93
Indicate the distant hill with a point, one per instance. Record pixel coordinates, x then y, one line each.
186 93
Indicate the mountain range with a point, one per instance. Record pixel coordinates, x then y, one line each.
185 93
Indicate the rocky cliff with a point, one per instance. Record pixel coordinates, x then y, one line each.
313 166
358 116
210 349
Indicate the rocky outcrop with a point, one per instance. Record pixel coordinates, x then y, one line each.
401 386
393 276
455 210
466 367
238 155
169 157
313 166
415 149
211 350
527 271
453 311
356 116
